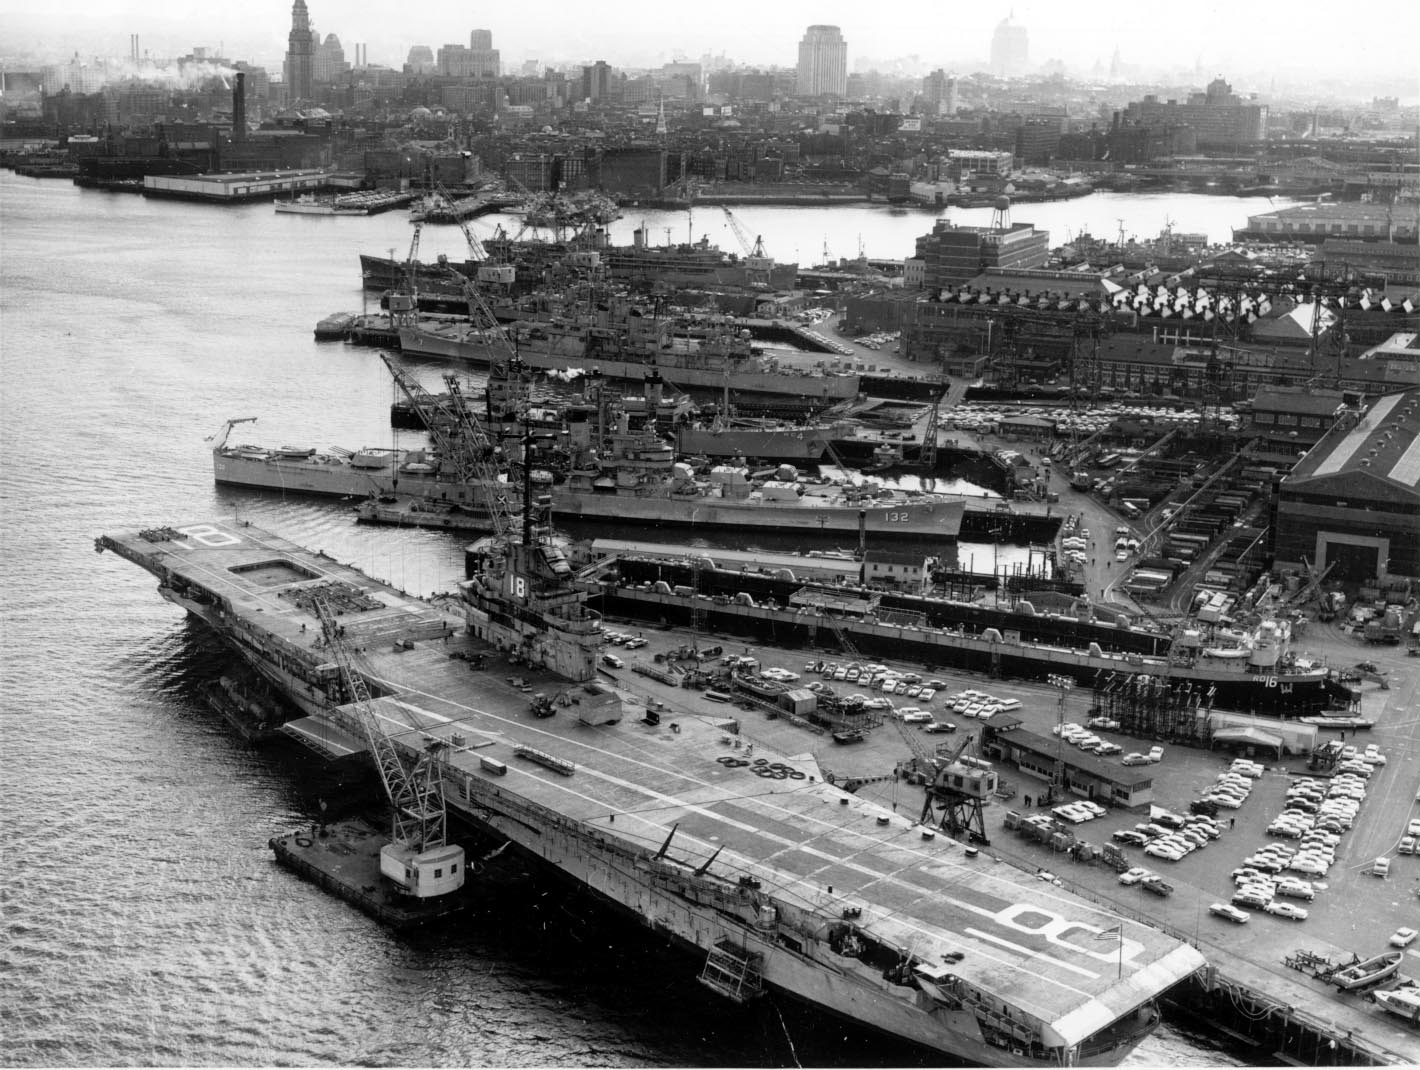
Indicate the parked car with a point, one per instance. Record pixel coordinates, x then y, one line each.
1250 897
1287 910
1158 886
1134 876
1231 913
1296 889
1402 937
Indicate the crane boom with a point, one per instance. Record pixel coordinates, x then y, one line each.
221 436
418 858
475 247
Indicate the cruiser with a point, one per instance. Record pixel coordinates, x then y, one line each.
637 480
779 882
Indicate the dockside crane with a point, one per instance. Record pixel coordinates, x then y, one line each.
460 439
958 791
419 860
475 247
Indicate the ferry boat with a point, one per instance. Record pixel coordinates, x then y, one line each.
783 884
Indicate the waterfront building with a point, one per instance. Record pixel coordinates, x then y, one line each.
823 63
1354 499
300 54
1219 118
1346 219
1010 48
953 255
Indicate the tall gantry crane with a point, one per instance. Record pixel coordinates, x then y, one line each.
418 859
461 440
957 793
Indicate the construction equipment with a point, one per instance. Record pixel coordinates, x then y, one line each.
418 858
461 441
475 247
958 792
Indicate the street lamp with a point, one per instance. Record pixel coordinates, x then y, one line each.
1063 684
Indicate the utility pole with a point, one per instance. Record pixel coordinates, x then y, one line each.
1062 684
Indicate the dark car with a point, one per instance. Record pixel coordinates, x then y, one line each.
850 736
1158 886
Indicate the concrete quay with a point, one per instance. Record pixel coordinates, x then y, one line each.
1248 989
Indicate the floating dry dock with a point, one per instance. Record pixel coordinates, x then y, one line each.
773 878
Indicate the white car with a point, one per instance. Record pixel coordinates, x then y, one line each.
1413 828
927 694
1286 910
1135 875
1227 910
1402 937
1373 755
916 717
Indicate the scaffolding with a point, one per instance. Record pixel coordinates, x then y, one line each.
1155 707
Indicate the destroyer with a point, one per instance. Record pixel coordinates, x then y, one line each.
778 882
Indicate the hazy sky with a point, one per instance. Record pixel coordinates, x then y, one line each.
1244 39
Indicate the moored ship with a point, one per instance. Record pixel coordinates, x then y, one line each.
1255 672
637 481
783 884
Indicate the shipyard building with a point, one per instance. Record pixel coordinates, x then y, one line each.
954 255
1354 500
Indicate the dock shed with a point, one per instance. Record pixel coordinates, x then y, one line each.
1095 778
1035 427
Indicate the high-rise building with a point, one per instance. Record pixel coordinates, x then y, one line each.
484 56
421 60
596 81
1010 48
823 63
1220 118
299 54
940 92
328 60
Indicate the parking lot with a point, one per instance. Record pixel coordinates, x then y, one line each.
1353 911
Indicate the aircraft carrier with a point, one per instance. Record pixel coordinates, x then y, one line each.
771 878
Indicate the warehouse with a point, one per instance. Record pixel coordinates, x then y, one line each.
1354 500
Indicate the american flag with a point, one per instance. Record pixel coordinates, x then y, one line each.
1110 934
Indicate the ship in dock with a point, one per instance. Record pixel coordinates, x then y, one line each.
1255 671
623 344
772 879
635 478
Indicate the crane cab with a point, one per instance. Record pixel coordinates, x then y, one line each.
424 875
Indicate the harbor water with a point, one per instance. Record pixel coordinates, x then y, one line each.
145 921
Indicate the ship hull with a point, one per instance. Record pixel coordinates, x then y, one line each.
1275 694
677 370
794 445
916 519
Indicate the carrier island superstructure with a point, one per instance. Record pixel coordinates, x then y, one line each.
770 877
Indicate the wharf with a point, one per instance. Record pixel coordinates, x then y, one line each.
1247 988
724 844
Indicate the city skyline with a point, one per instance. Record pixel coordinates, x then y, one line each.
1246 41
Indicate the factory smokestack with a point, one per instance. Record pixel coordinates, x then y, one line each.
239 107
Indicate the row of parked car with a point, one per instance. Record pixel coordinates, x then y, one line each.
1082 737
